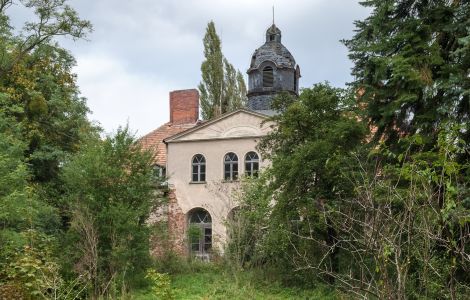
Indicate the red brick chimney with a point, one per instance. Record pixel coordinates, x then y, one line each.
184 106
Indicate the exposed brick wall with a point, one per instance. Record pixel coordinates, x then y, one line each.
176 225
184 106
169 224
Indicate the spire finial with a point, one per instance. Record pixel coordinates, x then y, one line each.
273 14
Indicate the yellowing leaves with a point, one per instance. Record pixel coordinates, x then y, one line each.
37 105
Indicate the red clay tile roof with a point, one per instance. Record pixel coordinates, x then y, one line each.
153 141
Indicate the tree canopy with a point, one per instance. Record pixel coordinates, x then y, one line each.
411 62
62 187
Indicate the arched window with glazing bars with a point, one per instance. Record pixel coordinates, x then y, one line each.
198 168
230 166
252 164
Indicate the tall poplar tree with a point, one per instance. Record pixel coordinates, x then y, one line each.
222 88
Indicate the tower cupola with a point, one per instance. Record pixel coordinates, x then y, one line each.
272 70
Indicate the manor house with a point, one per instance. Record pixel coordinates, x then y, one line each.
204 160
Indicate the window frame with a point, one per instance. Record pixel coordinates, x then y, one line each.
250 171
200 247
233 174
201 169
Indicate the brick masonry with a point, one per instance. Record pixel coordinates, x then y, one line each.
176 225
184 106
168 220
169 224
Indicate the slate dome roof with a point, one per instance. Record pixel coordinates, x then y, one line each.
273 51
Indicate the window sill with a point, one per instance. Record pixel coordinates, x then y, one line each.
197 182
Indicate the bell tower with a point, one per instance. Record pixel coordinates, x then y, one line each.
272 70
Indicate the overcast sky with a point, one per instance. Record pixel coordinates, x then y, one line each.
140 50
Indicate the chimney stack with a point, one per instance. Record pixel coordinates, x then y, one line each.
184 106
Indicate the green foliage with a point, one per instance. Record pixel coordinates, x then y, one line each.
331 207
38 87
216 283
413 213
26 261
411 67
311 144
247 225
222 88
31 268
42 118
52 162
110 187
161 285
13 175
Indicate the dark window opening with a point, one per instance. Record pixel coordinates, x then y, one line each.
198 168
251 164
230 166
159 171
268 77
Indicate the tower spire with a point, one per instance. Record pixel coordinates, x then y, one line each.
273 14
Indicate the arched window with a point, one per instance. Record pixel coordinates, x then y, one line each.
200 233
251 164
199 168
268 77
230 166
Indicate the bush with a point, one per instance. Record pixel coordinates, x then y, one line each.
160 284
110 190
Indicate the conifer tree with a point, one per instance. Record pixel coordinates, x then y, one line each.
411 63
222 88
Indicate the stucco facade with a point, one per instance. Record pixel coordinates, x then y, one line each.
238 132
204 160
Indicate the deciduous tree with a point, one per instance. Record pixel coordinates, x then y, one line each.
110 188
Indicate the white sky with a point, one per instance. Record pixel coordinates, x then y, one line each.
141 50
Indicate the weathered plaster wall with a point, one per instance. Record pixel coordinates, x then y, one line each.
214 195
234 134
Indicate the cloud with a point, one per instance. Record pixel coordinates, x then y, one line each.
117 96
142 49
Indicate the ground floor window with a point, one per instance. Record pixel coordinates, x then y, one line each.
200 233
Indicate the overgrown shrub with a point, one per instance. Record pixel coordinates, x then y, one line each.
160 285
110 189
